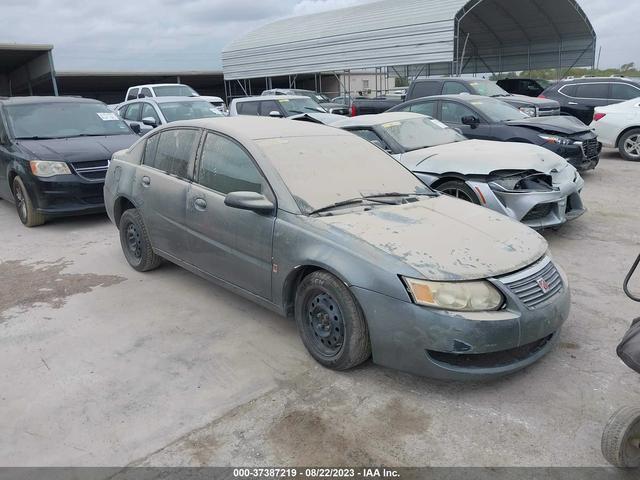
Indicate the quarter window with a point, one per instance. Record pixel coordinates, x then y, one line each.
174 152
226 167
622 91
454 112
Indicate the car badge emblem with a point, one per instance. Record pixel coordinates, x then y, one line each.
544 285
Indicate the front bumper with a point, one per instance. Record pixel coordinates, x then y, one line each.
66 195
583 155
537 210
463 346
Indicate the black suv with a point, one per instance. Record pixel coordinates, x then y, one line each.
54 154
580 96
534 107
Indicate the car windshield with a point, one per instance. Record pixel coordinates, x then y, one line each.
295 106
341 167
417 133
498 111
174 111
175 91
63 120
488 88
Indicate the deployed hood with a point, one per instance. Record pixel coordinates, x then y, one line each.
482 157
80 149
445 239
561 124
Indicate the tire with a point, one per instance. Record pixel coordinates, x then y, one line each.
135 242
621 438
459 189
331 323
27 213
629 145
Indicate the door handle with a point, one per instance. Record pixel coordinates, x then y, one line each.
146 181
574 103
200 204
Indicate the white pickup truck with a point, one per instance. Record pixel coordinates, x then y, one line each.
171 90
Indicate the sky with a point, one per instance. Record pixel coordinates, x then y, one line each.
181 35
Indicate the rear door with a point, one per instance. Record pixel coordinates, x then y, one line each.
230 244
162 183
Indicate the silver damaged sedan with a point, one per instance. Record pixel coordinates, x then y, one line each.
368 260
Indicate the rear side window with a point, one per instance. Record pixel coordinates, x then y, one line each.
133 94
426 108
592 90
226 167
623 91
425 89
174 152
568 90
248 108
454 88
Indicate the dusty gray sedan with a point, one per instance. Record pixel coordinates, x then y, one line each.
369 261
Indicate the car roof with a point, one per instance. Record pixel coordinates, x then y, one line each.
46 99
159 85
166 99
601 80
262 98
259 128
372 120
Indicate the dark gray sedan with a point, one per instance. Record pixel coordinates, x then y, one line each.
368 260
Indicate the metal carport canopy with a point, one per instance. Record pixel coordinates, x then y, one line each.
479 35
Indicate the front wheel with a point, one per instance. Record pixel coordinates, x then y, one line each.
27 212
621 438
331 323
629 146
136 243
459 189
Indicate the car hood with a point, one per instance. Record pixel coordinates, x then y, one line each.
561 124
80 149
482 157
523 100
445 239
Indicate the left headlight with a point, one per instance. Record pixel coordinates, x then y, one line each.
478 296
41 168
555 139
531 111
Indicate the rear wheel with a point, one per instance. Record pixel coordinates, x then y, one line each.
629 145
621 438
27 212
331 323
459 189
135 242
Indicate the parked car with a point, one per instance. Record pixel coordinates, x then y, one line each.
282 106
171 90
618 126
533 107
337 108
486 118
523 86
580 96
149 113
316 223
371 106
54 153
525 182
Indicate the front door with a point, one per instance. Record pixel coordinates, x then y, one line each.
452 114
230 244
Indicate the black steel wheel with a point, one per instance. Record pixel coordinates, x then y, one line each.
135 242
621 438
460 190
330 322
27 212
629 145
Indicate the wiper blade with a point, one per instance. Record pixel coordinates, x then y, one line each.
344 203
36 137
87 135
398 194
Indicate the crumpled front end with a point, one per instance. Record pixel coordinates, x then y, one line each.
535 199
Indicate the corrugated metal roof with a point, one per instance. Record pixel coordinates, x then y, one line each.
408 32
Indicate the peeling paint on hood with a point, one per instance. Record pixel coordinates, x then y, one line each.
445 239
482 157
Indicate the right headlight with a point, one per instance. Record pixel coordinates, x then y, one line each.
42 168
477 296
531 111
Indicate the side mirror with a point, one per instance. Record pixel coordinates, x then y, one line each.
135 127
471 121
150 122
249 201
275 114
142 95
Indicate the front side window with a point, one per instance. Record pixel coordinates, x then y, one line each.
149 112
226 167
453 112
454 88
146 92
133 112
622 91
268 106
174 152
63 120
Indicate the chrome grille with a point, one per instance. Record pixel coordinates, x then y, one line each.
528 286
93 171
547 112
